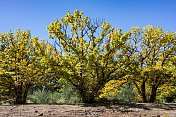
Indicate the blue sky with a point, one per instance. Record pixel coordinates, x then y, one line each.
36 15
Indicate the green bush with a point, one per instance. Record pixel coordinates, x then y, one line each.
126 95
43 97
66 95
69 94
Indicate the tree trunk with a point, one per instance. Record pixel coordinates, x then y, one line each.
153 94
87 96
144 99
21 94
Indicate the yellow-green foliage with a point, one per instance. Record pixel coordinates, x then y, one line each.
150 51
112 88
19 64
85 59
166 91
90 55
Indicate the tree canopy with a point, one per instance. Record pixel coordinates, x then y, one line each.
20 67
86 59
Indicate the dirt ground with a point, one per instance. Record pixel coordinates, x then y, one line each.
89 110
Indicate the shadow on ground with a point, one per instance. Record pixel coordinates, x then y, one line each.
130 107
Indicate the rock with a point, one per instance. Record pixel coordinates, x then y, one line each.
36 111
41 114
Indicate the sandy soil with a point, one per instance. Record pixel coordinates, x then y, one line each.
89 110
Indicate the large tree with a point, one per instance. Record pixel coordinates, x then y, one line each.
20 67
87 53
151 51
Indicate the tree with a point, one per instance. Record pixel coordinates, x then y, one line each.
167 92
150 50
85 58
20 67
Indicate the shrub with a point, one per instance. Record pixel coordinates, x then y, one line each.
43 96
126 94
69 94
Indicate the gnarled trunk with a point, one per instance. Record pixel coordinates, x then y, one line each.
153 94
144 99
21 98
21 94
87 96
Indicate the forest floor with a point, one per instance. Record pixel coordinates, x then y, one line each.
90 110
